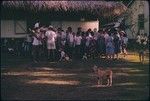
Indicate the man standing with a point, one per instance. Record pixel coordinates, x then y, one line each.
35 45
51 46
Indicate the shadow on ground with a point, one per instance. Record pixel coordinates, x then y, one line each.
23 80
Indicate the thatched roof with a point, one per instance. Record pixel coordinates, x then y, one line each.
98 8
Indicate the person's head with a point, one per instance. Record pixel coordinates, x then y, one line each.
92 33
78 33
115 33
50 27
89 30
95 30
79 28
122 33
59 29
73 33
125 35
83 34
69 29
87 34
100 31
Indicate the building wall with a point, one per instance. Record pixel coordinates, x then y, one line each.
13 29
17 29
138 7
146 15
75 24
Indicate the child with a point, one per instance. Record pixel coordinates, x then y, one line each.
142 48
141 56
63 55
84 56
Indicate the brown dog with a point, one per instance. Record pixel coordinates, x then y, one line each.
101 73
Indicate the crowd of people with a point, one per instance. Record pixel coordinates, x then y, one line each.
57 44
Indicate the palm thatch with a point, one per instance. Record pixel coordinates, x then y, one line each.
98 8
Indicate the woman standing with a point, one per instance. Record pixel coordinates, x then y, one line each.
110 47
101 43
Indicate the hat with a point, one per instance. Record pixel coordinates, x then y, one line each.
122 32
50 26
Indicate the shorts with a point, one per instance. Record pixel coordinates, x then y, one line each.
51 46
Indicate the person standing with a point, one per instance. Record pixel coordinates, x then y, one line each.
51 46
101 43
37 24
70 42
29 43
83 44
78 39
110 47
116 44
125 42
35 45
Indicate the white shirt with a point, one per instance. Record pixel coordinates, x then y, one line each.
87 40
138 39
106 36
36 41
71 39
36 25
63 35
51 35
125 40
78 40
62 54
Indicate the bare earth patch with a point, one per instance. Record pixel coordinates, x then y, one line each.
74 80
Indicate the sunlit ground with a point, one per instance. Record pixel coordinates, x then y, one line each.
76 80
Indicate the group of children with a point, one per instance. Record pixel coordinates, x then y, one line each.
59 44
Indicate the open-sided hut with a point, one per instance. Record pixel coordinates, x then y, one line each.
17 16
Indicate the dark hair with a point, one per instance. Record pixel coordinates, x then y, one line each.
59 29
92 33
78 33
79 28
124 35
89 30
100 30
83 33
69 28
87 33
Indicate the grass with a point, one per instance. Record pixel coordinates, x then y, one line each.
23 80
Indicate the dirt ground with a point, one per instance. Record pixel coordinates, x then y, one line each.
23 80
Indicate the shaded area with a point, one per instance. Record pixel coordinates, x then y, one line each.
22 79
